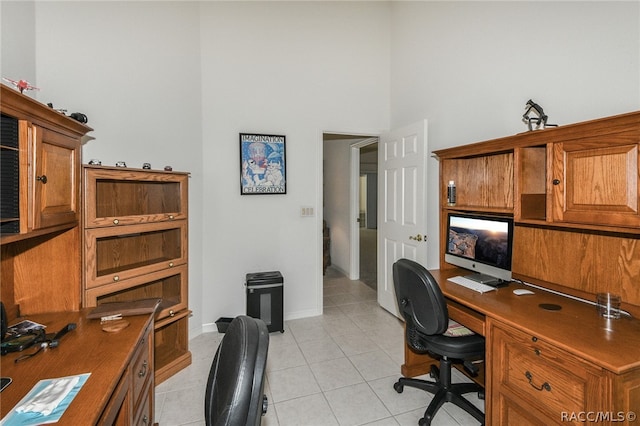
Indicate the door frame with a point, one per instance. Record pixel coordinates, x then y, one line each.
354 206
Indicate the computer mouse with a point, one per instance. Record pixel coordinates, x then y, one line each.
522 291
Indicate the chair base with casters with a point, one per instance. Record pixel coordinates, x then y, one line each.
443 391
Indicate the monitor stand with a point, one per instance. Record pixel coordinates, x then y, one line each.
487 280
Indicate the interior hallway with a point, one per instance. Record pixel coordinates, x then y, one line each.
334 369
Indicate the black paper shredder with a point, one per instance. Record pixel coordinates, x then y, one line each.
265 298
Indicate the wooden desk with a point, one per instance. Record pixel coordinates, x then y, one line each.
119 389
591 364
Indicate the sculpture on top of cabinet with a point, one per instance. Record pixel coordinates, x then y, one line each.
540 120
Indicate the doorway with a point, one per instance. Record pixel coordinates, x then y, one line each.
349 196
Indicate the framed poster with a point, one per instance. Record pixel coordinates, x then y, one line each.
262 164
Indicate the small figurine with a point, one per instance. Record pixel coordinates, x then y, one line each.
121 164
542 117
146 166
21 85
168 168
95 162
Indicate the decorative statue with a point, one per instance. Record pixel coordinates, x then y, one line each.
540 120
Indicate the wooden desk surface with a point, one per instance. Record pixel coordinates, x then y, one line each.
576 328
87 349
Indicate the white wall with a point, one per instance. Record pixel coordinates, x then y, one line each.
17 41
291 68
134 69
470 67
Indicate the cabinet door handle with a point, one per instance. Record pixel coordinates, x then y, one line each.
171 217
556 181
143 370
116 278
42 179
116 221
545 386
170 264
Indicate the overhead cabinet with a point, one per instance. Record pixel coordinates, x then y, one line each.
40 167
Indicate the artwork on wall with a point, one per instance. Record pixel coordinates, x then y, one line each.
262 164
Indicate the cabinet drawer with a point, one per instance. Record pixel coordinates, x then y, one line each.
170 285
142 367
113 255
542 375
118 196
144 413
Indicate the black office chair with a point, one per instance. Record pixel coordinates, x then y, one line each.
235 388
424 309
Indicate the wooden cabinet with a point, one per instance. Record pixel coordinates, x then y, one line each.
595 181
136 247
44 146
40 207
580 175
535 380
56 189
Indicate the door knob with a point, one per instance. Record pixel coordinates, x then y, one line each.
417 237
42 178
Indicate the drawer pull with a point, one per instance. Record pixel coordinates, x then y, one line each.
42 179
170 264
171 313
536 351
116 278
143 370
545 386
116 221
171 217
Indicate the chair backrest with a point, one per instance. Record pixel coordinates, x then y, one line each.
419 297
235 388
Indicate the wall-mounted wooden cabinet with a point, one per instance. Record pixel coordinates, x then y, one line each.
41 149
136 247
595 181
40 206
579 175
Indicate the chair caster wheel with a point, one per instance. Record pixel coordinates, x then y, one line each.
398 387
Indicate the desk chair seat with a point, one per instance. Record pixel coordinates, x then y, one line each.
235 388
424 310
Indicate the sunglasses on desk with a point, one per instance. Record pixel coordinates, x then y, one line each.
23 341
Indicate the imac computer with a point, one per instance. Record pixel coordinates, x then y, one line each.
482 244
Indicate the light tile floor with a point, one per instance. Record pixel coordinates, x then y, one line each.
334 369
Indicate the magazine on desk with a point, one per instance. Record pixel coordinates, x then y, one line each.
46 402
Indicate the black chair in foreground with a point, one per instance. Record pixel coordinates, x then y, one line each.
424 310
235 388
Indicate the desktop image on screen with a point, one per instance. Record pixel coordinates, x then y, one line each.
482 244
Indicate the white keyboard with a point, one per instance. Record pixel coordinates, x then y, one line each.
470 284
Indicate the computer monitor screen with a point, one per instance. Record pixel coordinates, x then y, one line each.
480 243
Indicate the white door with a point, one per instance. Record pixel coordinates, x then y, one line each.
402 221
